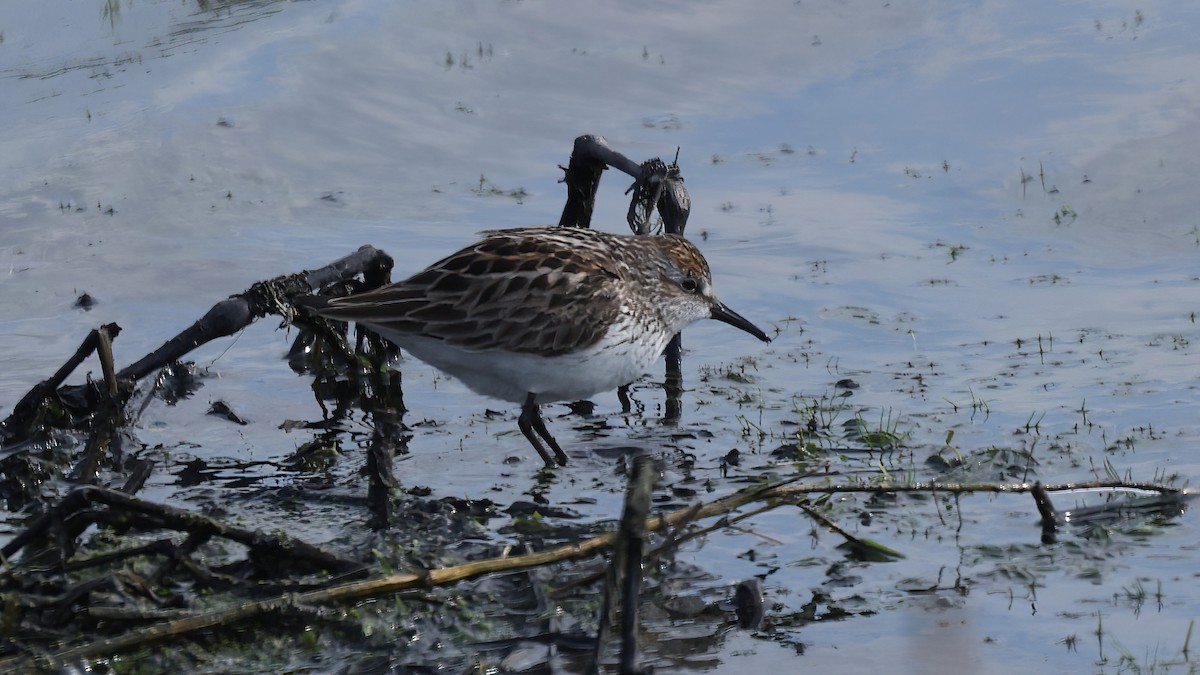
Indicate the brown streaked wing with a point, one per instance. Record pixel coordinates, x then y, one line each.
508 292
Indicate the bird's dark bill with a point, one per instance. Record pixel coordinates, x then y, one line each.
725 315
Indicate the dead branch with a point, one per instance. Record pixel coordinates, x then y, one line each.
27 411
269 546
265 297
656 185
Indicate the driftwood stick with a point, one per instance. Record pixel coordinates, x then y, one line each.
582 178
225 318
25 412
596 148
265 297
104 338
372 263
590 156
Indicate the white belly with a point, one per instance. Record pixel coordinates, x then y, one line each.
615 361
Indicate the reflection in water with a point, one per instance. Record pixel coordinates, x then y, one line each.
73 45
351 378
112 12
222 16
673 382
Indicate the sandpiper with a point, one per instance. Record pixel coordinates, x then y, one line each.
542 314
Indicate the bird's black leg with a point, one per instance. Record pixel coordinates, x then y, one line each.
531 421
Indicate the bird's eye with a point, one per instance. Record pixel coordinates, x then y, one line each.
689 285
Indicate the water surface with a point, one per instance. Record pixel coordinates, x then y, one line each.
983 214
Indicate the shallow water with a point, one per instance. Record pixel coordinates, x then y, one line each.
982 214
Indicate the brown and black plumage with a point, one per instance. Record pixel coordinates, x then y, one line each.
535 315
